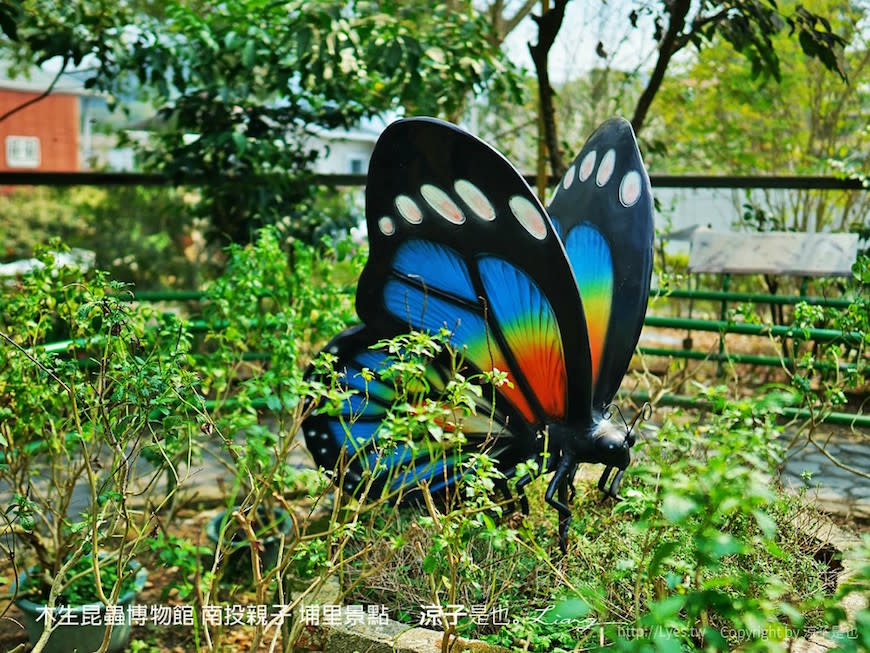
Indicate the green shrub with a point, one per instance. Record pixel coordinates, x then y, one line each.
77 416
703 553
139 235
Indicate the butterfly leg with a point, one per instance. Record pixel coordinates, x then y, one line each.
613 490
564 519
560 482
572 491
521 493
614 486
602 482
501 485
518 502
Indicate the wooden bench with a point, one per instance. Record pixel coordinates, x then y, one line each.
773 254
777 253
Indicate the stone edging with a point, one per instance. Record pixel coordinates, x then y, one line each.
841 540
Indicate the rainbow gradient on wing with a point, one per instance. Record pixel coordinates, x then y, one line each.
431 288
591 261
529 326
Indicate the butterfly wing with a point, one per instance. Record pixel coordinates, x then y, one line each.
354 432
458 240
603 210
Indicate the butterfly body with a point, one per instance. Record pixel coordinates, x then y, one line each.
554 298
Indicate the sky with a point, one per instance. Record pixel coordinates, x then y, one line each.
585 24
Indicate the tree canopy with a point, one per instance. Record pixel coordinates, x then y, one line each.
719 116
751 28
238 84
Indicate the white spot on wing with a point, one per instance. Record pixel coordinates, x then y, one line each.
586 166
629 188
475 199
605 169
387 226
408 209
528 216
569 178
442 204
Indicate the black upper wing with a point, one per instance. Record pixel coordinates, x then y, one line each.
603 209
458 240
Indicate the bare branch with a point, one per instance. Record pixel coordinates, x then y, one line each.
509 24
548 27
40 97
679 9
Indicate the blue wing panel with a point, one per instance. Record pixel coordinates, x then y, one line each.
374 360
355 436
374 388
357 406
435 266
426 470
426 312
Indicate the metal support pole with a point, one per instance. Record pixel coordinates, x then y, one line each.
723 314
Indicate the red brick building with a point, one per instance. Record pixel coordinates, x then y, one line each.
43 137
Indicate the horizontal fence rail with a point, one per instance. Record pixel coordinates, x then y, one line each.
789 412
748 298
787 182
673 293
747 329
747 359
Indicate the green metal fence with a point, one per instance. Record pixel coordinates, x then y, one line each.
723 297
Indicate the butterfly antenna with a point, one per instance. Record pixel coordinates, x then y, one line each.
612 408
643 414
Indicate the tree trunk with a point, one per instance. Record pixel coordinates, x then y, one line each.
549 24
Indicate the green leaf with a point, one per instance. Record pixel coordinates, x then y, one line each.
78 526
794 615
664 610
430 563
240 141
436 54
775 550
249 54
26 521
567 609
723 544
676 507
765 523
666 642
661 552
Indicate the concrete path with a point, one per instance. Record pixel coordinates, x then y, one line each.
837 490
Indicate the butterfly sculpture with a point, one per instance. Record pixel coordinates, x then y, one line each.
555 298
